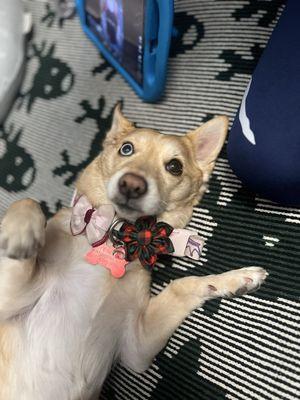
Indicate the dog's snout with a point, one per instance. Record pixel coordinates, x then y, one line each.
132 186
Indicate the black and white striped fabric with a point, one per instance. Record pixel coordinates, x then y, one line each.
242 348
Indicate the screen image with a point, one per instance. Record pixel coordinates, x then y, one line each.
119 25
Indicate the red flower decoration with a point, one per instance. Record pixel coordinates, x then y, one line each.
145 240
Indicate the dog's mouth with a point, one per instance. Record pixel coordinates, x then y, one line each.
130 211
126 207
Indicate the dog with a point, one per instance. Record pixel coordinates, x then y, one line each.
63 321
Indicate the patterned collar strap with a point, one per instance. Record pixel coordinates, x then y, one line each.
147 239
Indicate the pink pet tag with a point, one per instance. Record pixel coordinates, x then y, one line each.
108 257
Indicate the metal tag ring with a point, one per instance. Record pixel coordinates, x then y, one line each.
111 236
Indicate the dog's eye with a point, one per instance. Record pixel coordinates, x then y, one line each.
126 149
174 167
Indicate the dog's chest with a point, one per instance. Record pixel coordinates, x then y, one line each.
67 334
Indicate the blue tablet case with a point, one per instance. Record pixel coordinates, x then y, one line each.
264 142
157 38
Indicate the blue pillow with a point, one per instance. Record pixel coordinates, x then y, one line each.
264 142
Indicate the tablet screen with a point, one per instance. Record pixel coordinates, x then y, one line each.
119 25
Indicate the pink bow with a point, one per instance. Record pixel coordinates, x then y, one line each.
95 222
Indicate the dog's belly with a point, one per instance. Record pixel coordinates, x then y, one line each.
67 345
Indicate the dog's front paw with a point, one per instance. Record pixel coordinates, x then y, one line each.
238 282
253 277
22 230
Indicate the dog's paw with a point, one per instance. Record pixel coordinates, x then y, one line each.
238 282
22 230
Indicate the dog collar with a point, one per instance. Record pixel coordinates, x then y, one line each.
117 242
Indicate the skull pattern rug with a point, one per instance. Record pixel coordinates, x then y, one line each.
242 348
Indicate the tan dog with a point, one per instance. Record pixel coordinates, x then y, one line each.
63 322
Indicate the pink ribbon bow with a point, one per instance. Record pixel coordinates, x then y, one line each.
94 222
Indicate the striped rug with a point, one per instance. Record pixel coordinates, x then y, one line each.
243 348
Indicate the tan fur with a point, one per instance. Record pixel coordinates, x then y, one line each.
5 352
63 322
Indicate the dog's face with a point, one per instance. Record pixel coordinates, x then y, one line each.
143 172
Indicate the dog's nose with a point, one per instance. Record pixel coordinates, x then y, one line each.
132 186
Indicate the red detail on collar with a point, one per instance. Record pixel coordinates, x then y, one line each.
88 215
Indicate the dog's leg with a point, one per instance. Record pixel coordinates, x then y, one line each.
164 312
22 233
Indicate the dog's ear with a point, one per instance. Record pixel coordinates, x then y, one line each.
120 126
207 141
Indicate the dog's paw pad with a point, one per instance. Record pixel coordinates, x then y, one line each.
26 250
212 289
241 291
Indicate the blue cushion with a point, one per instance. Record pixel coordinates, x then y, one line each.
264 142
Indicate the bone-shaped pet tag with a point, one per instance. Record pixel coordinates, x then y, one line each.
108 257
